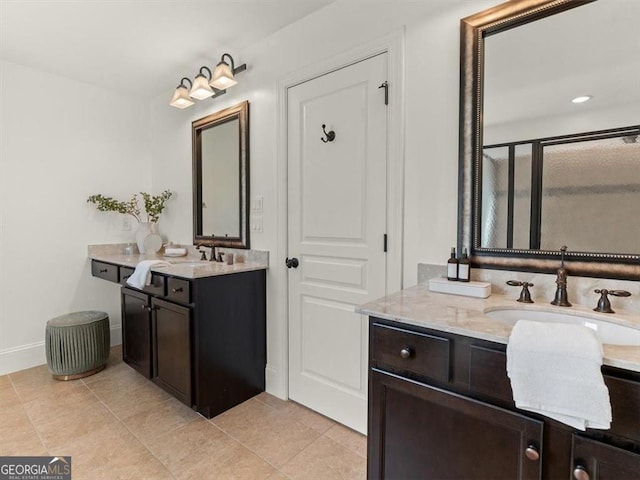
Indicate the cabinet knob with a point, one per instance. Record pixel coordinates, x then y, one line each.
532 453
104 270
405 352
580 473
176 290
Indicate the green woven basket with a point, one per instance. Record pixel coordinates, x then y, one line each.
77 344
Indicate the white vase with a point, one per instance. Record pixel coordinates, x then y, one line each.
144 229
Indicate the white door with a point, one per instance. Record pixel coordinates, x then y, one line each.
336 230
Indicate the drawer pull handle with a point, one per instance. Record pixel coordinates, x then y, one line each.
176 290
405 352
580 473
532 453
104 270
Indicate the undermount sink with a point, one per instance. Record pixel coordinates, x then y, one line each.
607 331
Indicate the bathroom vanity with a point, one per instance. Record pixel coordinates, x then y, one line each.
440 402
198 330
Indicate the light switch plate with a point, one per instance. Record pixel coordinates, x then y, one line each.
126 223
256 205
256 223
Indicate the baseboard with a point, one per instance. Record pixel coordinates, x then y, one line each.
33 354
275 382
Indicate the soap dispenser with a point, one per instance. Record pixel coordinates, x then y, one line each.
452 266
464 268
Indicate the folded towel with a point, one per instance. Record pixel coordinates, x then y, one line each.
142 274
554 370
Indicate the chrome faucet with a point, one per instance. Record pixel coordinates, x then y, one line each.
561 299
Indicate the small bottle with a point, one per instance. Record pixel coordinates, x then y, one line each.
464 267
452 266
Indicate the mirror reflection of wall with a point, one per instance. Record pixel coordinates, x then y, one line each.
532 72
220 180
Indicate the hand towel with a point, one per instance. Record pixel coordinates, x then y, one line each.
554 370
142 274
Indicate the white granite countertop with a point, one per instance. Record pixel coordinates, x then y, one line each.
189 267
467 316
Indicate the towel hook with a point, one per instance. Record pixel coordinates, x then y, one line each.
329 136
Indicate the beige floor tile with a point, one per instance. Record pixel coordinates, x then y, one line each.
346 437
19 437
270 433
37 384
278 476
159 419
126 396
201 450
327 460
112 452
68 424
308 417
271 400
8 395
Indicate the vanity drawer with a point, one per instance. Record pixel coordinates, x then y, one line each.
488 373
125 272
106 271
178 290
403 351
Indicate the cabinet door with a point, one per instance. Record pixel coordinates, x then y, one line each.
593 460
172 348
418 431
136 331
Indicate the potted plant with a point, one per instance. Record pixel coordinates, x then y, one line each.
153 206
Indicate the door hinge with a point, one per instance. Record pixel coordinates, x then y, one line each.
385 85
384 246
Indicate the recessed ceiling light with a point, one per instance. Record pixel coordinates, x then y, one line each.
582 99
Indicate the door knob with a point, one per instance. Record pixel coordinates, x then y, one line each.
580 473
532 453
292 262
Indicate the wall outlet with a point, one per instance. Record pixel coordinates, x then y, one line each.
256 223
126 223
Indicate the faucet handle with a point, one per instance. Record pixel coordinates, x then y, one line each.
604 305
525 295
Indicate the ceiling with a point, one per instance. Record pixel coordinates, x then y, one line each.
141 47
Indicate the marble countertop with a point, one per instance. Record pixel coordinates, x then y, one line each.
467 316
189 267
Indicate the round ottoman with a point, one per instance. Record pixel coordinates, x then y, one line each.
77 344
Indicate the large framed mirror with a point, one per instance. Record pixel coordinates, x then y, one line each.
536 170
221 178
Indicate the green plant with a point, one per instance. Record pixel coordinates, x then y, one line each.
153 205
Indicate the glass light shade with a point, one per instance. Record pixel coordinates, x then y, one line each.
181 98
201 88
222 77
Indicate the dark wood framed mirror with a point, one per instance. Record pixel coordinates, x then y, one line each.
498 91
220 144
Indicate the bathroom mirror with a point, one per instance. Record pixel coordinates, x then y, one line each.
221 178
521 64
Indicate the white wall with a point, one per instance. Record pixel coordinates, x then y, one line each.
432 70
60 141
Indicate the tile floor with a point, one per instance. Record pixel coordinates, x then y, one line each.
118 425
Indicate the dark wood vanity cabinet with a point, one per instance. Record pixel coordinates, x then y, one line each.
171 342
203 340
136 330
440 408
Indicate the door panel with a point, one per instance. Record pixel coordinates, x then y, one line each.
337 222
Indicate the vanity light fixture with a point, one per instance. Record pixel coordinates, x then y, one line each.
209 86
181 97
582 99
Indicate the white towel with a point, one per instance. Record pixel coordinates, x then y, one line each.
142 274
554 370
